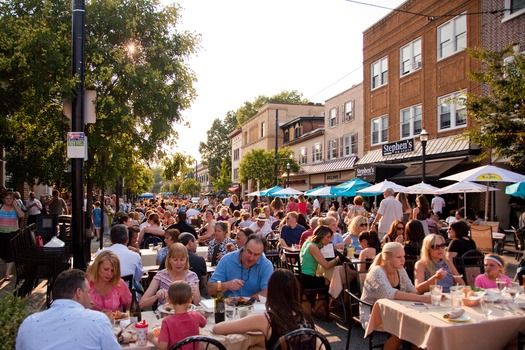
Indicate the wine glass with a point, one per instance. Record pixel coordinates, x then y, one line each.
501 284
486 307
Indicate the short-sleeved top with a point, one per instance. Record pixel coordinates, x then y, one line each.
221 249
8 220
447 281
391 209
179 326
255 278
461 246
164 280
355 242
114 300
308 263
482 281
302 208
292 235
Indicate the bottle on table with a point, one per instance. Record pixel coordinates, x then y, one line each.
219 304
135 314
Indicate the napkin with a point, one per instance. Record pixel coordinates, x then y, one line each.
454 313
208 305
259 308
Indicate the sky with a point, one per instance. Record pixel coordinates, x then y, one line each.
254 47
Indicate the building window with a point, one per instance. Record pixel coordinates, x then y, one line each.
236 153
263 129
411 57
332 149
410 121
297 132
510 64
452 111
379 72
286 135
317 154
452 36
513 8
303 156
349 145
333 117
349 111
379 130
235 174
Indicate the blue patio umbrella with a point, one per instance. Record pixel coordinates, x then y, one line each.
270 191
147 195
350 188
516 190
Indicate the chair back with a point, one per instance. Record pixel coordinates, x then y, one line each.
493 224
354 278
410 263
292 263
303 339
482 235
470 265
129 280
155 240
198 342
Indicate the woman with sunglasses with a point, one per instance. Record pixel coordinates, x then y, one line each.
351 238
433 268
396 232
460 241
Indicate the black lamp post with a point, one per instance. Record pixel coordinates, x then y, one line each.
423 137
288 173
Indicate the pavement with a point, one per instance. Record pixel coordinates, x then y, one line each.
335 330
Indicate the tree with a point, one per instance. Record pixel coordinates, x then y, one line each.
223 182
249 109
177 166
218 145
135 60
189 186
258 165
500 113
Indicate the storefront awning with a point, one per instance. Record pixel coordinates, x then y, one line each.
329 166
433 170
234 189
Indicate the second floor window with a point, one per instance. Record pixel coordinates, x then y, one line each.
379 127
317 154
303 156
332 149
452 36
379 73
410 121
349 111
263 129
235 174
452 111
333 117
236 153
349 145
297 132
411 57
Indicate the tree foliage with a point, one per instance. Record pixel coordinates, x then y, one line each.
500 113
135 60
258 165
223 182
177 166
249 109
189 186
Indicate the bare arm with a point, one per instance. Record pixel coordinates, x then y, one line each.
252 323
151 295
421 284
318 256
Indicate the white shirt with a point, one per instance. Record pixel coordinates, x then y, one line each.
35 210
316 203
438 204
130 262
391 209
262 231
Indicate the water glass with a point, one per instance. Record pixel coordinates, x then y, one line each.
230 311
486 307
455 297
150 246
501 283
436 291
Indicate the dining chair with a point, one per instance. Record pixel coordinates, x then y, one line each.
482 235
470 265
303 339
198 342
355 303
311 295
521 340
155 240
410 263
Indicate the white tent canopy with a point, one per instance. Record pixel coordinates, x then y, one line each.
421 188
381 187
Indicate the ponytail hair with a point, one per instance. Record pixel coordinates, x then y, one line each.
387 252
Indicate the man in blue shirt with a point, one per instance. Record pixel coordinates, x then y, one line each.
68 323
244 272
291 232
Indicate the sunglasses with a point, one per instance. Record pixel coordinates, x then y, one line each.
363 225
400 228
438 246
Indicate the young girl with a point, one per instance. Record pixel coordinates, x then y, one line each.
182 324
494 269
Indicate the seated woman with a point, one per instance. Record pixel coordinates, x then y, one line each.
208 230
331 221
388 279
311 257
460 241
369 241
284 314
177 269
170 236
414 235
357 225
395 234
222 244
107 290
494 269
433 268
154 229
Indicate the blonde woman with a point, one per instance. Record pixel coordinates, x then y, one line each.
357 225
433 267
107 290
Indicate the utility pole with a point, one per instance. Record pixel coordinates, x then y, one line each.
276 167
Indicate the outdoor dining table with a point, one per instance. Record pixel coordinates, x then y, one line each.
202 251
148 257
425 327
250 340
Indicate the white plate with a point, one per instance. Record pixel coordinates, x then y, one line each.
171 311
521 305
462 318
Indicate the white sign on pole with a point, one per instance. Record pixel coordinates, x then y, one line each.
76 143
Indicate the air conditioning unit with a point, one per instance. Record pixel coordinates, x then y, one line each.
417 65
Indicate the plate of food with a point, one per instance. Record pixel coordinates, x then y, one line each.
239 301
167 308
116 315
460 319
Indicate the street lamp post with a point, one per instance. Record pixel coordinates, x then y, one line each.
288 174
423 137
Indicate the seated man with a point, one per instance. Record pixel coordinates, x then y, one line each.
68 323
197 263
182 225
291 232
130 262
261 226
244 272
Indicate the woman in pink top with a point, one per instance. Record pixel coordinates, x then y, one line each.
108 291
494 269
302 205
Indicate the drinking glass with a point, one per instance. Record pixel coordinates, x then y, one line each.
501 283
436 291
486 307
230 310
150 246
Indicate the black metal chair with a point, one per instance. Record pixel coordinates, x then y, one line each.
195 343
303 339
521 340
151 239
470 265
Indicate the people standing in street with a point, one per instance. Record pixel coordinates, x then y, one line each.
57 205
9 215
34 208
390 209
437 205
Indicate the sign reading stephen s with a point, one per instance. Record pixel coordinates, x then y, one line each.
398 147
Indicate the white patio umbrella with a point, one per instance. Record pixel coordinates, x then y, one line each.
321 192
192 212
465 187
379 188
487 173
254 193
421 188
286 192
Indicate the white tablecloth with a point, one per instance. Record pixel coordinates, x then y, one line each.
148 257
202 251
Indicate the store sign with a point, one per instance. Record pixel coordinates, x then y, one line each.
332 177
398 147
366 172
76 145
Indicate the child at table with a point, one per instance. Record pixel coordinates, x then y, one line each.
494 269
182 324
